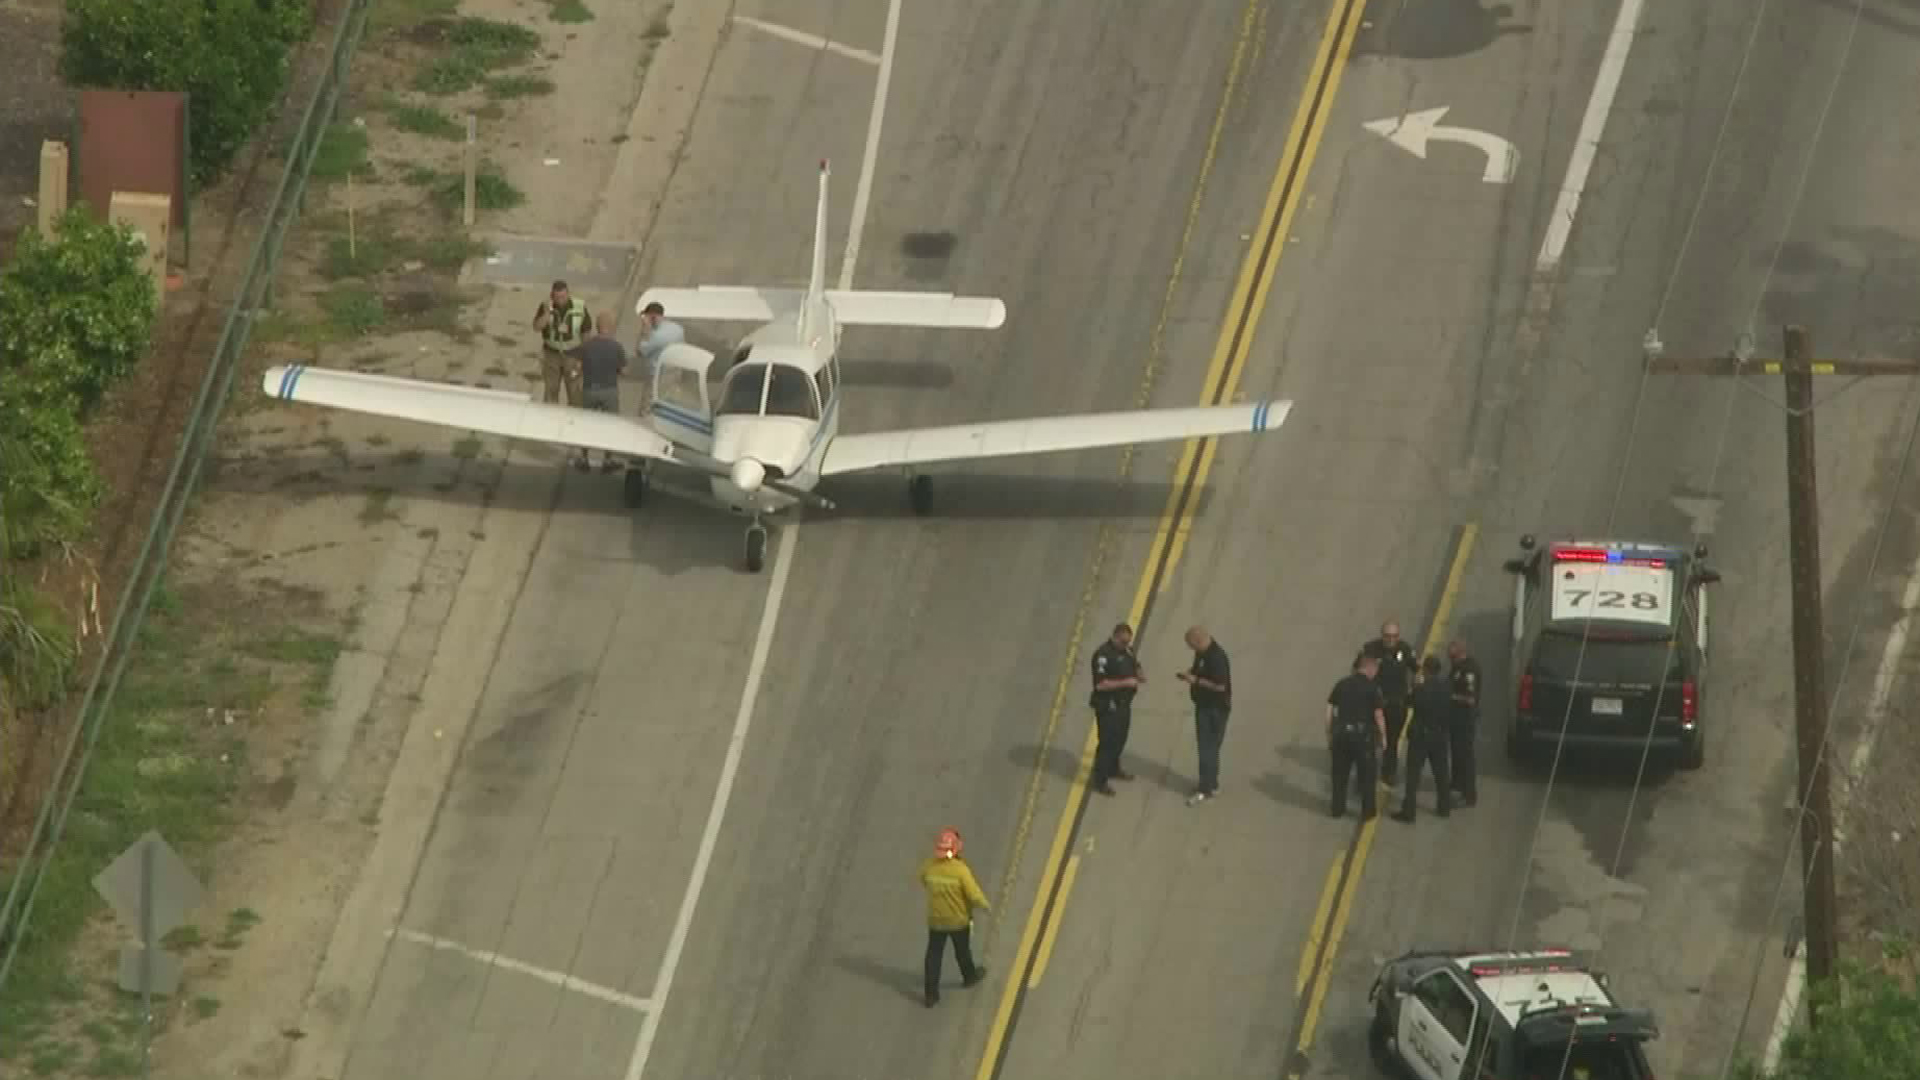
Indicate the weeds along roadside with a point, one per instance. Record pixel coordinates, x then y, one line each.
216 663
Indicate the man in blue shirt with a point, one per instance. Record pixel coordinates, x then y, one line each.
657 332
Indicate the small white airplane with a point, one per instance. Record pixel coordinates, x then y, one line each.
775 432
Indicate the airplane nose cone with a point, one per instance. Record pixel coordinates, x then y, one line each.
747 474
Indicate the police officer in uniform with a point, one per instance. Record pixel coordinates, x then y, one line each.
1356 725
1464 682
1428 734
1116 677
1397 664
563 323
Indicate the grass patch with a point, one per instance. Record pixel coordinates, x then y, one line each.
509 87
164 760
474 48
392 15
342 151
467 447
657 29
353 310
291 646
491 190
384 251
569 11
377 508
428 121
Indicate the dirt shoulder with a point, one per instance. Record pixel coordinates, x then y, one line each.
309 592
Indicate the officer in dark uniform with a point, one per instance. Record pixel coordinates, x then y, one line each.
1356 725
1397 664
1428 736
1464 682
1116 677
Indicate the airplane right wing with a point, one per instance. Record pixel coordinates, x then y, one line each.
492 412
1045 435
930 309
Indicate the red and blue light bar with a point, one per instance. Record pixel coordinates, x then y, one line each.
1604 555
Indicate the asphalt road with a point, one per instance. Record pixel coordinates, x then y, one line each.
929 673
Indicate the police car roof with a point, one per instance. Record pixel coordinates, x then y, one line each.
1519 983
1643 549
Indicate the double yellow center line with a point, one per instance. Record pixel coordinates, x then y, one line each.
1196 460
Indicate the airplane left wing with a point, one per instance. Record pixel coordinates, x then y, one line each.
1007 438
493 412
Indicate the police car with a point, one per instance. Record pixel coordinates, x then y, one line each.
1640 611
1504 1016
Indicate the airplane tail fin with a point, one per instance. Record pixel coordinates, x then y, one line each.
817 280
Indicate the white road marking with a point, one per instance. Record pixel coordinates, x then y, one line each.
863 190
812 41
1883 679
769 616
546 975
1612 65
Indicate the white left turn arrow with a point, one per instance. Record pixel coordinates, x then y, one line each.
1414 131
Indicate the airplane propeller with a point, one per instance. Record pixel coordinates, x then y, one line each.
749 476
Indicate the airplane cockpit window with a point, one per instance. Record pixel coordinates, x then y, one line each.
742 396
792 394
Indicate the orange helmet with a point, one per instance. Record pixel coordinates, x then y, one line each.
948 846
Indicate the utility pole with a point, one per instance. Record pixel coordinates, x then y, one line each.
1809 639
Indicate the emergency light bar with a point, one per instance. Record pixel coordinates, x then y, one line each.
1603 555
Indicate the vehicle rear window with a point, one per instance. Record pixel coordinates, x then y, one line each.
1607 662
1586 1061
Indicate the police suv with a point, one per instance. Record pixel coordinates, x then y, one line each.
1610 642
1504 1016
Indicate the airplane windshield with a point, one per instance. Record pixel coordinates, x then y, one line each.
792 394
743 390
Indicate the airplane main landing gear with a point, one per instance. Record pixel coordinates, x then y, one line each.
633 486
756 546
920 493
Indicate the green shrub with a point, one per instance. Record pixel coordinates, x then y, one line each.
36 648
76 311
1869 1030
230 56
48 483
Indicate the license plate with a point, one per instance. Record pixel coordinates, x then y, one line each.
1606 706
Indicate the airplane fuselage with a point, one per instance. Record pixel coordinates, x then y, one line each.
786 448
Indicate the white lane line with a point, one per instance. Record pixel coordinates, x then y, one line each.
863 190
769 616
812 41
1883 680
1613 64
546 975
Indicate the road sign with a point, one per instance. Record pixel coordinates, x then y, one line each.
164 975
175 891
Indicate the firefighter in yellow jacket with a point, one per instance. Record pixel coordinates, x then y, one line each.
952 897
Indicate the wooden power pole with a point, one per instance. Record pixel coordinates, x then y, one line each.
1809 639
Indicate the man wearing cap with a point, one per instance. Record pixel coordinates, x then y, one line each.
952 897
563 323
1116 677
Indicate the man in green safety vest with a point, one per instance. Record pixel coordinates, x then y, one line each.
563 323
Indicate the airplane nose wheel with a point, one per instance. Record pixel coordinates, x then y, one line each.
756 547
920 494
633 486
